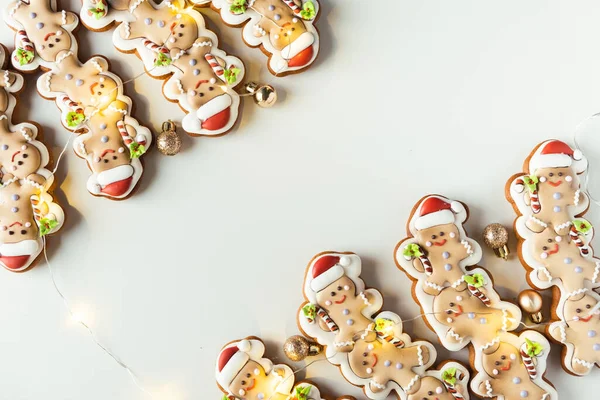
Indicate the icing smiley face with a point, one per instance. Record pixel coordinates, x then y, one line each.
250 381
19 158
336 294
555 178
580 311
501 361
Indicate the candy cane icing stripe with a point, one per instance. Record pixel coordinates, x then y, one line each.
584 250
24 40
293 6
528 362
124 133
216 67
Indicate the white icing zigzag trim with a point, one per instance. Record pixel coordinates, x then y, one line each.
377 384
596 272
488 388
364 298
14 9
3 116
63 57
135 5
490 344
467 246
545 395
82 148
179 86
504 319
414 380
576 199
8 182
433 285
48 79
260 30
170 5
178 55
538 221
583 362
576 292
455 335
546 272
563 225
127 30
34 184
343 344
97 65
203 44
458 283
119 110
563 333
420 355
25 134
7 83
64 17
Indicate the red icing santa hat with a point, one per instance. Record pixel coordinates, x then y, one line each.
557 154
327 270
437 211
235 356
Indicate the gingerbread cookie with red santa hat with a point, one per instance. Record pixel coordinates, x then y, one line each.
368 345
173 43
244 373
283 29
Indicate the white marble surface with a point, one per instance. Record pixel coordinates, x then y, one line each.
407 98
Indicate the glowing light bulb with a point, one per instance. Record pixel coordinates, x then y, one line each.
78 317
224 88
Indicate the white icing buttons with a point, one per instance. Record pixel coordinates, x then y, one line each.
557 196
399 366
452 235
446 255
516 380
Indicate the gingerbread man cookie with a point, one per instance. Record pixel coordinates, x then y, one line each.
371 350
174 44
555 247
514 369
27 209
468 309
284 29
89 96
243 373
439 250
578 331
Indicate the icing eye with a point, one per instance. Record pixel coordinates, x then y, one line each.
503 358
560 174
452 304
181 25
578 310
551 174
23 232
248 375
180 34
200 94
25 155
11 232
105 161
497 363
51 45
19 162
101 86
549 240
332 294
57 40
339 288
433 237
588 306
545 248
365 354
114 157
293 29
243 383
210 89
442 233
449 312
430 393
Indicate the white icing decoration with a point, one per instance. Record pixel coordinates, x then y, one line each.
127 27
420 355
343 344
538 221
62 57
26 135
414 380
97 65
490 344
456 335
458 283
583 362
377 384
576 197
64 17
467 246
135 5
179 86
563 225
7 79
488 388
596 272
364 298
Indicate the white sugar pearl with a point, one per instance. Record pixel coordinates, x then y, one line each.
256 371
428 244
439 390
513 357
242 392
328 303
495 371
121 150
27 224
459 298
370 347
544 255
450 320
568 178
543 179
346 287
369 370
452 235
558 239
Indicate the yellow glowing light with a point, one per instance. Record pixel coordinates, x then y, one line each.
78 317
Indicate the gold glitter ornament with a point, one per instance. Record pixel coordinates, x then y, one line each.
297 348
264 95
495 236
168 141
531 302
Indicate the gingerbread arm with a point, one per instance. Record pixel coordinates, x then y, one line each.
486 389
559 331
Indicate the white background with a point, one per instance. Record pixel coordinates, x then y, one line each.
407 98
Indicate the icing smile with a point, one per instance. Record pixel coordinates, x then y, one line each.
555 250
343 299
375 361
200 82
249 388
586 319
440 243
14 155
459 312
506 368
555 184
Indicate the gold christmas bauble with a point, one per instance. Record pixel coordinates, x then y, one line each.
495 236
168 141
264 95
530 301
297 348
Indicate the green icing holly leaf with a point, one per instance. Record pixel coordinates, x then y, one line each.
163 60
412 250
46 226
99 11
475 280
308 11
136 150
74 119
238 7
383 325
582 226
449 375
24 57
533 349
231 75
302 392
310 311
531 181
